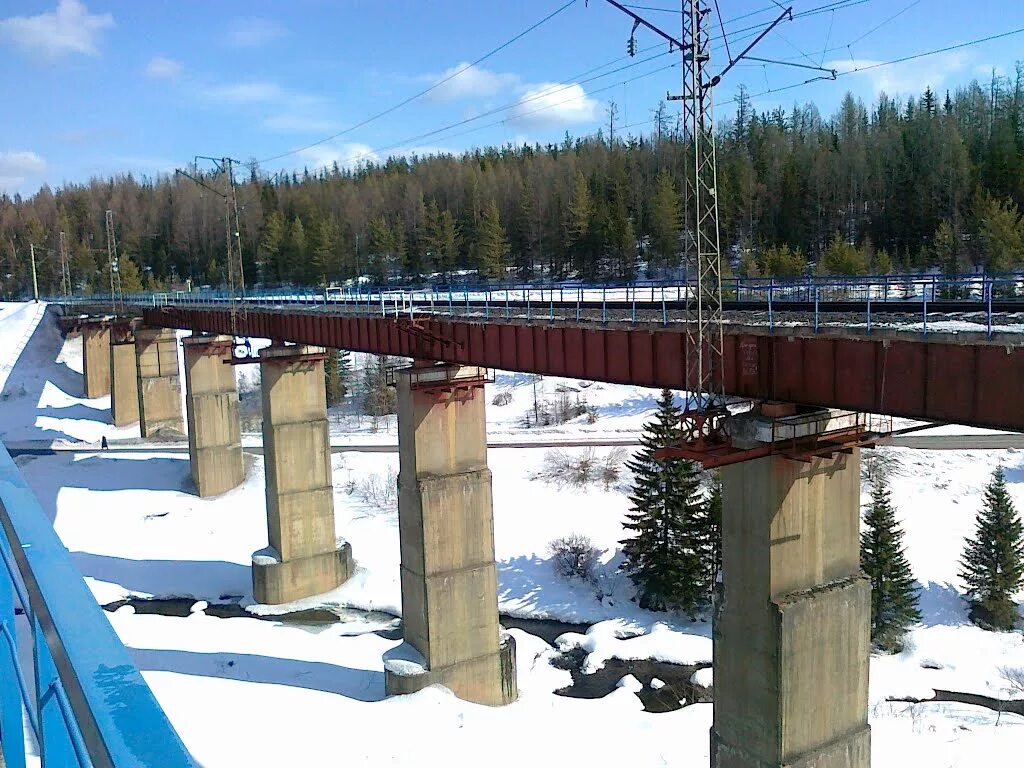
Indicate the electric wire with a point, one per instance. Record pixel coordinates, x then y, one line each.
427 90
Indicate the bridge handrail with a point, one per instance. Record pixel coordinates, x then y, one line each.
91 706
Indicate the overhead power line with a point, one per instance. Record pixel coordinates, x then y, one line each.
549 92
879 64
425 91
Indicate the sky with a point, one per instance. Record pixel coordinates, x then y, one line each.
100 87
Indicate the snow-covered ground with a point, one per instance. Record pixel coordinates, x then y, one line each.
246 690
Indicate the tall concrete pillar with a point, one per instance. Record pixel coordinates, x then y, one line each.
446 528
156 356
791 625
211 406
96 358
124 376
304 557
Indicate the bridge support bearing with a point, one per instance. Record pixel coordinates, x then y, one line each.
211 407
304 557
124 378
159 382
791 623
446 528
96 358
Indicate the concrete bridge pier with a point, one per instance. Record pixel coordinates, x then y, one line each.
211 407
446 529
159 384
791 624
124 375
304 557
96 357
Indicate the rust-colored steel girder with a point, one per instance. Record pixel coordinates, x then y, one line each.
974 384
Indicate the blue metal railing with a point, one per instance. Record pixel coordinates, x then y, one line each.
89 705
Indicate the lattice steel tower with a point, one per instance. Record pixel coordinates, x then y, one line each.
116 292
700 220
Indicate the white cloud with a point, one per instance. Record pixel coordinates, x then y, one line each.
162 68
349 155
549 104
908 78
68 30
17 167
253 32
475 82
254 92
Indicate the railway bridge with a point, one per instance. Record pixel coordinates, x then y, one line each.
791 618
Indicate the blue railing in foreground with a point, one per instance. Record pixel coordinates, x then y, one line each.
89 705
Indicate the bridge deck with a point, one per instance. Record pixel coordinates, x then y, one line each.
966 378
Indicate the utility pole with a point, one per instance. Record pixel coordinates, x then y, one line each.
705 410
65 266
35 281
116 293
232 229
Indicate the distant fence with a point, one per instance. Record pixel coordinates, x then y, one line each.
85 702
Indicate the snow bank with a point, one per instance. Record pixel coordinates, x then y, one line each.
629 640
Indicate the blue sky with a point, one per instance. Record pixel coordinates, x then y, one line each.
94 87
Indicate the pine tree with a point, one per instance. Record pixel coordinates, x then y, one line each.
666 222
577 220
294 251
663 554
884 562
269 249
528 231
334 376
992 565
841 258
491 245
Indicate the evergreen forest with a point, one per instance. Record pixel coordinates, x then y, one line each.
931 181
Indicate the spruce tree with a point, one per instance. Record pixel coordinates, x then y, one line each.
884 562
666 223
663 554
334 376
492 246
993 561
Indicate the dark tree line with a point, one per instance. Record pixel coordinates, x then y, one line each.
897 184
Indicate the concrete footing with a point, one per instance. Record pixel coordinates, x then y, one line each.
276 581
211 406
406 671
304 557
791 624
156 355
446 528
124 377
96 358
